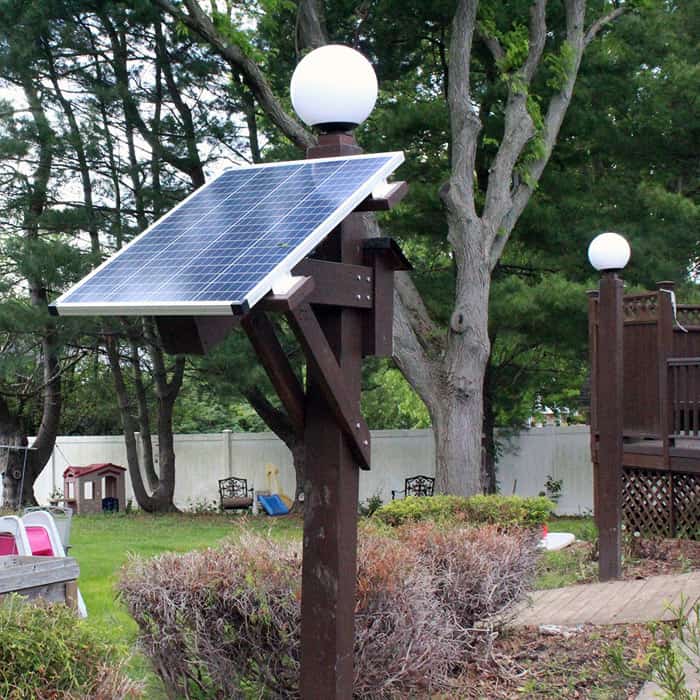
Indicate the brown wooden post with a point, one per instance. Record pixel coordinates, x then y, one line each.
610 424
664 340
593 413
331 485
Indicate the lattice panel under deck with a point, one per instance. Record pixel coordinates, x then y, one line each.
661 504
686 505
646 502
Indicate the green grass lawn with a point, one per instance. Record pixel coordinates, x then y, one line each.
102 543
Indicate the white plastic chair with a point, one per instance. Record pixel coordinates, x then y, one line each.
43 533
13 537
62 516
40 528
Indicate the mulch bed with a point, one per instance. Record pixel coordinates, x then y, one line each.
643 558
654 557
602 663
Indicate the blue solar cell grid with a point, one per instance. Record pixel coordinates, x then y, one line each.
230 235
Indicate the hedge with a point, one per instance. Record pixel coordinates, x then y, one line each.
502 511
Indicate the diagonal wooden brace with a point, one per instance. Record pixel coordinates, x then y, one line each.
264 340
312 339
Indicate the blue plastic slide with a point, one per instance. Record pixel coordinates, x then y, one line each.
273 505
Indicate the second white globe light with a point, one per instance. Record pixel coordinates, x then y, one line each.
334 86
609 251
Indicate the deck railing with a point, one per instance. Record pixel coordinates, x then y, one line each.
684 397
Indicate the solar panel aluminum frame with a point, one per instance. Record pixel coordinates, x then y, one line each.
232 307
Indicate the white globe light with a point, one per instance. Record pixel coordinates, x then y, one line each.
334 88
609 251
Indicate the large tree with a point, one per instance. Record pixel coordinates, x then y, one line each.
514 66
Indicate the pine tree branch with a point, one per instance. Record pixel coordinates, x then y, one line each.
198 22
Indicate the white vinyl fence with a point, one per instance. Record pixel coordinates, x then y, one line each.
201 460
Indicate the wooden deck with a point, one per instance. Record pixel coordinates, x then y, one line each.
611 603
684 455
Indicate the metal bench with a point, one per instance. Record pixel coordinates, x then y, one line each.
234 494
416 486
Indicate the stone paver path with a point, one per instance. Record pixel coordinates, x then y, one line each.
615 602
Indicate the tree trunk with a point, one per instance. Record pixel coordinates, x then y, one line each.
12 461
489 462
278 421
161 498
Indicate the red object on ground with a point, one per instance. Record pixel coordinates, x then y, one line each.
39 541
545 531
8 546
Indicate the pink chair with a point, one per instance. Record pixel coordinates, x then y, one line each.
8 546
39 541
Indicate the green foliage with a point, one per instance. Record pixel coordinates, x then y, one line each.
676 650
371 505
515 45
553 488
560 65
204 408
389 402
46 651
504 511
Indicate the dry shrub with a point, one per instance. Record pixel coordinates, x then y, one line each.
482 573
220 621
224 623
406 642
109 683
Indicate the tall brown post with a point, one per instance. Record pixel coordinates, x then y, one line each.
610 424
593 415
664 340
331 486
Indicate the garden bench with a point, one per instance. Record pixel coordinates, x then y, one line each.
416 486
234 494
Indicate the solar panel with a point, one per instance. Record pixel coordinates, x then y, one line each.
224 247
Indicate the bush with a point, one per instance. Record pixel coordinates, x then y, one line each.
47 652
225 622
482 573
503 511
371 505
209 620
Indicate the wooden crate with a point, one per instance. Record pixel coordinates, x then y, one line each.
52 578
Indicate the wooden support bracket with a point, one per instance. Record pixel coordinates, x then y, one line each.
385 256
264 340
384 200
338 284
318 352
299 291
194 335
